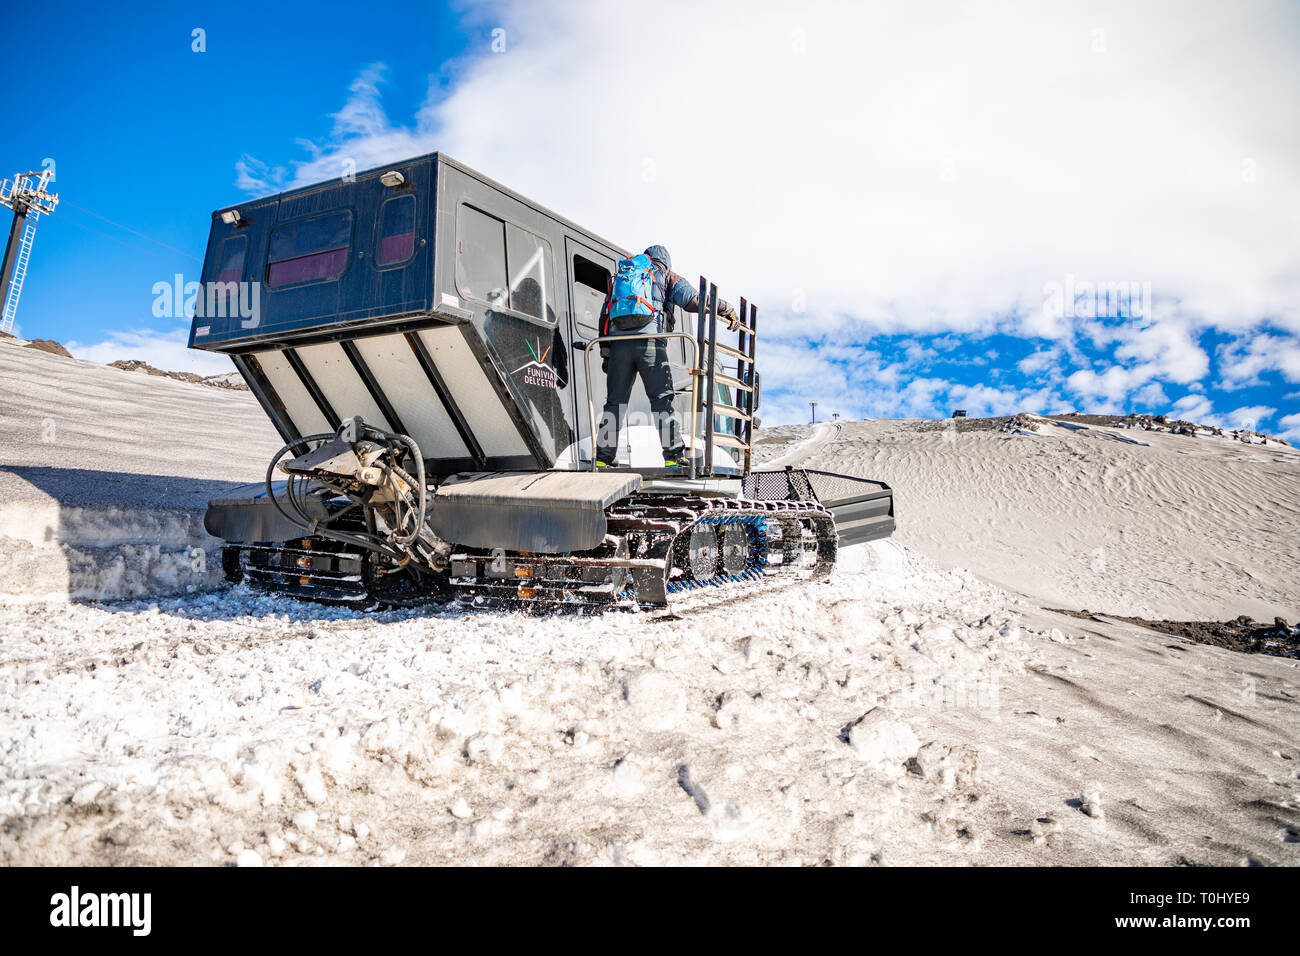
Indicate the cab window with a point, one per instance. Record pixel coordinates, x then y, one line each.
309 250
230 264
396 231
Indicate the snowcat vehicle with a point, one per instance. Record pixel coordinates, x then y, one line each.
423 340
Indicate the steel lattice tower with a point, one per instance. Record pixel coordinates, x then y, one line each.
27 197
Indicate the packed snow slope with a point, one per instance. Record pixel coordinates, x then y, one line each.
150 433
1138 523
105 474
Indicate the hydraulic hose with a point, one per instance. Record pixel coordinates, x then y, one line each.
397 543
301 520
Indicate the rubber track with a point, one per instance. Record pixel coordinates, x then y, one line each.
657 530
650 517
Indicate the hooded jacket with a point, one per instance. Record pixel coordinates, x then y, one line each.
670 289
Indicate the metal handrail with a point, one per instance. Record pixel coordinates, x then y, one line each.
591 405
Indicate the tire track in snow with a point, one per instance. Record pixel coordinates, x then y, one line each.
823 434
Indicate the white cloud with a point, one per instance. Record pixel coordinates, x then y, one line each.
1197 408
922 166
987 400
1192 408
1169 345
1243 360
257 177
1111 387
164 350
1249 416
1291 428
1149 398
904 167
1039 361
863 383
916 353
1165 351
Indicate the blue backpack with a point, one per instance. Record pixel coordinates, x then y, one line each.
631 293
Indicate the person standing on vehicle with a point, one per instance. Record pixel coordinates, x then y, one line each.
641 297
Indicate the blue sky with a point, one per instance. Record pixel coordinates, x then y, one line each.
906 189
147 132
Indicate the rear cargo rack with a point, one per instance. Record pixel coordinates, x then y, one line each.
863 507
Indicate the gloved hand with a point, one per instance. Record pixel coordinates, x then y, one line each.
727 312
604 360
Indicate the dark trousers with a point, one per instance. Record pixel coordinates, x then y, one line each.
649 358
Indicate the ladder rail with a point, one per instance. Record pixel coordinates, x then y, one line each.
751 400
710 371
740 406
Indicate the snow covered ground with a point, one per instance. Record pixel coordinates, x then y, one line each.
906 710
236 728
195 730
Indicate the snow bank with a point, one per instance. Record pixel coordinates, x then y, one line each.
106 475
58 553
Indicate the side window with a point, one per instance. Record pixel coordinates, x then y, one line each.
230 263
529 264
590 284
481 257
503 265
309 250
396 231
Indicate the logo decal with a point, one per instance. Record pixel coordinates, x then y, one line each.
537 373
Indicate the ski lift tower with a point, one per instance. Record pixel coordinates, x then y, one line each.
27 197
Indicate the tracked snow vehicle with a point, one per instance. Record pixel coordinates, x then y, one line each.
423 340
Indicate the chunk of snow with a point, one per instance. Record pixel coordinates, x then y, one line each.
657 699
882 740
87 793
1090 803
313 785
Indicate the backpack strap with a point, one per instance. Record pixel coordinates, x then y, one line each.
603 328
